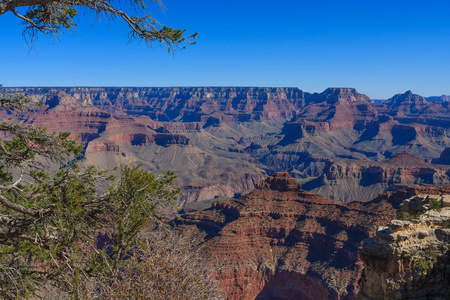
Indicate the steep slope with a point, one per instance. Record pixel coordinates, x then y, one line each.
348 180
188 104
410 258
325 128
444 158
215 138
407 103
341 123
442 98
281 242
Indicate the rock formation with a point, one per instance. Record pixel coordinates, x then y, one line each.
410 257
444 158
442 98
222 140
407 103
348 179
339 95
281 242
187 104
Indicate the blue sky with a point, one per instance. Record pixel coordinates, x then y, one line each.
378 47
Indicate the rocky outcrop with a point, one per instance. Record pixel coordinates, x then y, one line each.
339 95
339 108
190 103
237 183
281 182
348 180
281 241
60 101
407 103
141 139
445 157
206 134
410 257
442 98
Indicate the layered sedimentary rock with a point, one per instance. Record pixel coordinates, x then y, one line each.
61 112
188 103
214 138
444 158
410 258
340 95
407 103
442 98
340 123
281 242
348 180
200 160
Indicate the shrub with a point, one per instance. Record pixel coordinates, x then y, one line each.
434 204
162 266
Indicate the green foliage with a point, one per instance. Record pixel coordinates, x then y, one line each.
404 215
54 17
135 202
434 204
50 220
430 257
67 211
52 14
12 102
424 264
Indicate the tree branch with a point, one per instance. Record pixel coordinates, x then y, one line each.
22 236
8 5
53 16
31 23
22 209
17 222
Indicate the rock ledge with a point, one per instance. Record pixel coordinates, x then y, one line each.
410 258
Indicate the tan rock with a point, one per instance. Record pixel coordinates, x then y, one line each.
414 263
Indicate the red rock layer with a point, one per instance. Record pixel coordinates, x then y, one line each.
350 180
281 241
205 130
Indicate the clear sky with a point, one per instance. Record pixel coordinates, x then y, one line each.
379 47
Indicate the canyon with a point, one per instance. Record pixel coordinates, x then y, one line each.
349 179
281 242
288 194
222 141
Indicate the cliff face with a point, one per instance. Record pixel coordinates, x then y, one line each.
410 258
445 157
442 98
189 103
340 95
406 103
281 242
204 164
348 180
215 138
